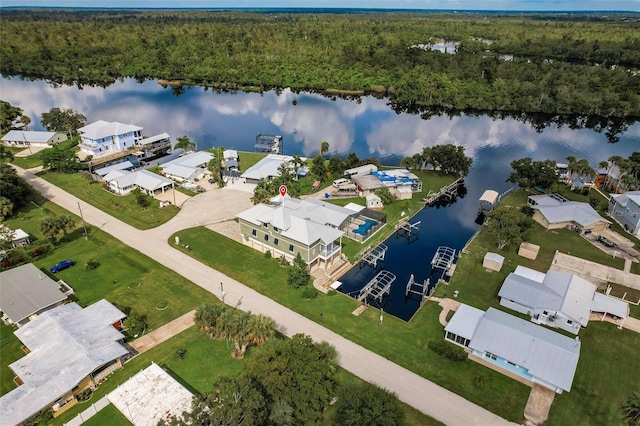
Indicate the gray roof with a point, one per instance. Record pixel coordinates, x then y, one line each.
571 211
102 129
623 199
560 291
494 256
546 354
299 220
532 274
195 159
230 154
268 167
120 166
28 136
367 182
465 321
364 170
181 171
66 344
25 290
610 305
156 138
546 200
142 178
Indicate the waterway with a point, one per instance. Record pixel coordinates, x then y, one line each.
366 126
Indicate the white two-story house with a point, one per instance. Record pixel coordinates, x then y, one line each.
102 137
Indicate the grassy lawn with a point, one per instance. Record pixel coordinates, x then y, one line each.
108 416
9 353
125 276
206 360
401 342
124 208
248 159
35 160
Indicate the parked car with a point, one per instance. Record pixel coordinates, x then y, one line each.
607 242
62 265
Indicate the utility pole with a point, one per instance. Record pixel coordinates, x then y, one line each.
86 237
222 292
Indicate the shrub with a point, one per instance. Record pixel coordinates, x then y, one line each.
332 292
267 254
479 378
453 352
283 261
91 264
309 293
180 353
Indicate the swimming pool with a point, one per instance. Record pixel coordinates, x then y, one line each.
363 228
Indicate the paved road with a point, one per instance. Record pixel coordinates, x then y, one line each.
416 391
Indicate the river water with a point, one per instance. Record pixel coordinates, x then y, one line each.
368 127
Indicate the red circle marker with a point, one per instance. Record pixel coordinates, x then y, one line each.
283 190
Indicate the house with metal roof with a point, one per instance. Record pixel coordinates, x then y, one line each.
187 168
512 345
122 181
71 349
17 238
103 137
268 168
556 299
625 209
125 165
401 182
33 138
28 292
552 213
310 228
230 157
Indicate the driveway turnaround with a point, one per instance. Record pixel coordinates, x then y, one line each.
414 390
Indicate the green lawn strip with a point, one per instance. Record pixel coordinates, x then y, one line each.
247 159
10 352
607 374
401 342
125 276
108 416
123 208
205 361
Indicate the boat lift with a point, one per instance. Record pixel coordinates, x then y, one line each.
443 259
378 287
375 255
408 230
421 289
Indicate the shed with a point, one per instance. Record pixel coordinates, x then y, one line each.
374 202
528 250
492 262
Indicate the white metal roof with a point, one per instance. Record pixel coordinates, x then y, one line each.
25 290
151 181
606 304
529 273
181 171
28 136
150 396
494 256
571 211
230 154
623 199
366 169
156 138
268 167
102 129
67 343
119 166
195 159
546 354
464 321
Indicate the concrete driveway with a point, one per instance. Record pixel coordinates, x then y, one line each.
414 390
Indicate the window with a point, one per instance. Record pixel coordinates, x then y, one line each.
275 228
291 247
266 237
569 322
276 241
545 313
490 356
254 232
266 225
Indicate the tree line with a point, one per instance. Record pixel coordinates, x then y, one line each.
577 66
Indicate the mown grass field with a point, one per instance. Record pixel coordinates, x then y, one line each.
10 352
123 208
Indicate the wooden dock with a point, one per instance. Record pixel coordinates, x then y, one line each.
448 191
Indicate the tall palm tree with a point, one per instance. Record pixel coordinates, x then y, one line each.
49 228
297 163
426 156
185 144
65 223
262 328
631 409
6 208
324 147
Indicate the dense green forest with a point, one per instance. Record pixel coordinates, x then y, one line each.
586 65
